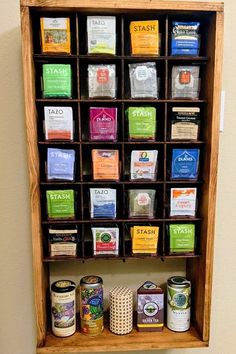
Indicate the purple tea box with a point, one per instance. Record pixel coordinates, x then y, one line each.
103 123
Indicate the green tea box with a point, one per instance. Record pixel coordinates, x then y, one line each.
142 123
182 238
57 81
60 204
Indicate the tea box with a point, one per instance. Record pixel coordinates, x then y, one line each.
145 38
182 238
101 33
105 241
143 80
183 201
58 123
103 203
105 164
185 163
55 35
141 123
103 123
60 164
57 81
185 123
60 204
150 308
144 239
185 38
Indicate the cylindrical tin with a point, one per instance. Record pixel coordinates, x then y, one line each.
178 303
63 308
91 305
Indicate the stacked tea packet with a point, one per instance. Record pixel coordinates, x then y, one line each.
143 165
103 203
57 81
60 164
102 80
101 33
143 80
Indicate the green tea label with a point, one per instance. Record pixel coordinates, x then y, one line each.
57 80
142 123
60 204
182 237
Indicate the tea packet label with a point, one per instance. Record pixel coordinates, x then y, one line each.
58 123
102 80
141 203
145 37
182 238
142 123
60 164
105 241
143 80
185 163
103 203
183 201
57 80
105 164
101 32
185 38
63 241
55 35
60 204
185 123
103 123
185 82
150 307
143 164
144 239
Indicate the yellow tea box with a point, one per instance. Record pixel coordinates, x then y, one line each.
144 239
105 164
145 38
55 35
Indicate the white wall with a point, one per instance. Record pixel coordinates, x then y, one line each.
17 328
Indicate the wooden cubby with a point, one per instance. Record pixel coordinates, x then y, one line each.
199 264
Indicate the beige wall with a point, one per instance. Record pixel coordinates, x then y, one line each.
17 330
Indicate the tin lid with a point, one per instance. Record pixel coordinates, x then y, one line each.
179 282
91 281
63 286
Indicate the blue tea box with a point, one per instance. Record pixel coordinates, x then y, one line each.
60 164
185 38
185 163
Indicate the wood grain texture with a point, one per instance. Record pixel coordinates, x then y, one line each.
143 341
123 4
33 165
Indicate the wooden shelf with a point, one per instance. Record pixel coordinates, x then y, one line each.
107 341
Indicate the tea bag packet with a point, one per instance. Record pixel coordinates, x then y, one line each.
102 80
57 81
144 239
185 82
143 80
185 123
181 238
185 38
141 203
55 35
145 39
60 164
101 34
58 123
105 164
103 203
63 240
60 204
185 163
183 201
143 165
103 123
105 241
142 123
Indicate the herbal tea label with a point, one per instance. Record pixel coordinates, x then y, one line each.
183 201
55 35
57 80
60 164
185 163
185 123
103 203
142 123
103 123
145 37
60 204
105 241
101 32
105 164
143 164
58 123
185 38
63 241
144 239
182 238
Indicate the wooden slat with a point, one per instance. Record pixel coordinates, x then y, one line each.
33 165
142 341
131 4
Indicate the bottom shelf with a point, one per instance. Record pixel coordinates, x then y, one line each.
108 342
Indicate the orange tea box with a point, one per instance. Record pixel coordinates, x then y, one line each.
105 164
55 35
144 239
145 37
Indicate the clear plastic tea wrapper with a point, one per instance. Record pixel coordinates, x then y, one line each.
141 203
143 80
185 82
143 165
102 80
